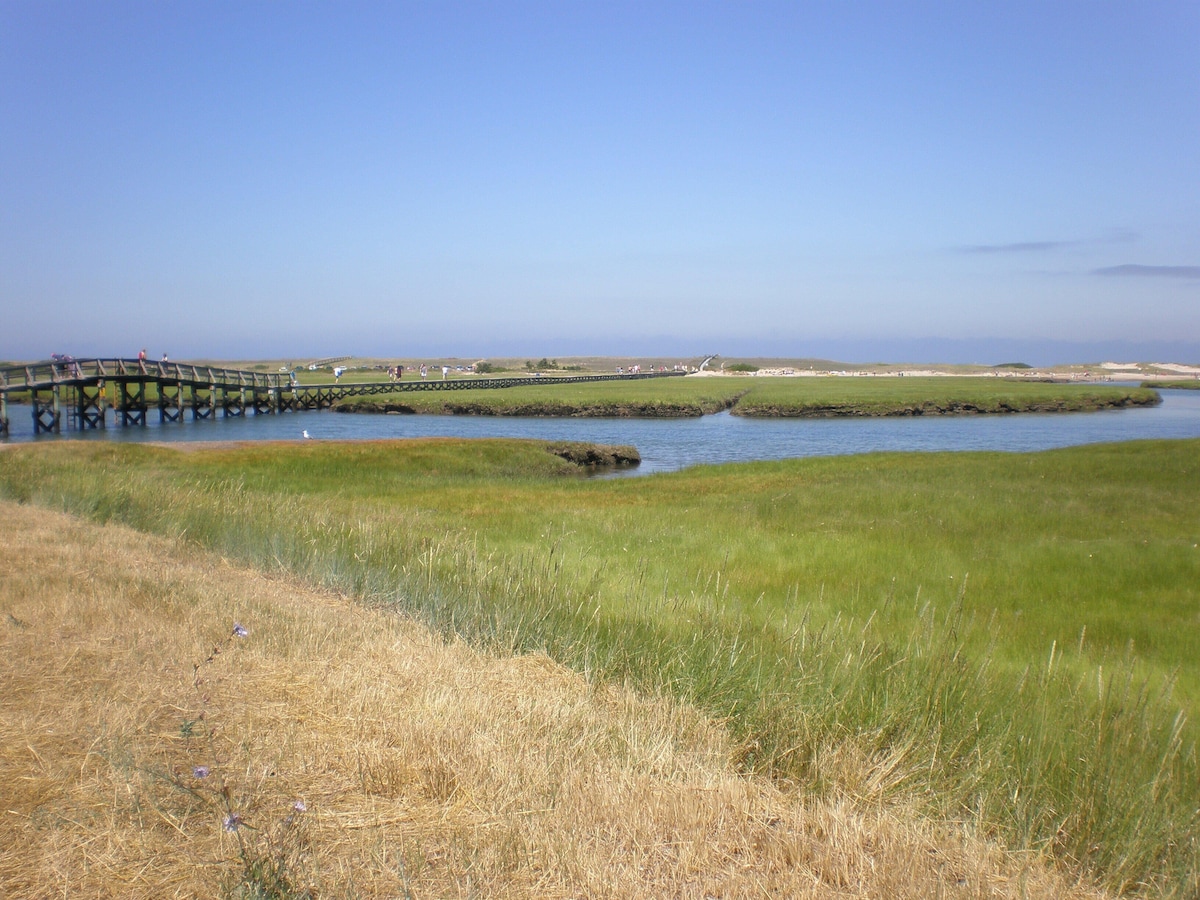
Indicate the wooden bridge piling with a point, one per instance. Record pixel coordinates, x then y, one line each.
233 403
170 402
131 402
263 401
47 414
89 406
201 408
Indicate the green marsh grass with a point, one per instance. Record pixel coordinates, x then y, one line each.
351 747
668 397
765 396
883 396
1192 384
1009 639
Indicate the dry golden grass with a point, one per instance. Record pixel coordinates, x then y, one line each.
427 769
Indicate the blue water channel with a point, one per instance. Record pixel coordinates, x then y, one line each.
671 444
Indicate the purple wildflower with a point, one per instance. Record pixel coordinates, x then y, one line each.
299 806
200 772
231 822
239 630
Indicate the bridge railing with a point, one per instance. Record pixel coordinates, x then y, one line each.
48 374
44 375
68 371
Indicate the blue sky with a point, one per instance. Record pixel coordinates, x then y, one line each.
953 182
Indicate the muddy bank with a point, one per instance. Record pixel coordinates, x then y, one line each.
597 456
623 410
952 408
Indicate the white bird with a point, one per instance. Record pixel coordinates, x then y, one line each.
307 436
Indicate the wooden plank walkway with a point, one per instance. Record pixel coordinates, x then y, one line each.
76 390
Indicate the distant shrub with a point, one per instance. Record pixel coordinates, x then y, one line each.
486 368
1014 365
741 367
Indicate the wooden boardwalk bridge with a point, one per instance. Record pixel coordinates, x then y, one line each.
75 392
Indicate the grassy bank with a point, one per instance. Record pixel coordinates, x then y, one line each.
991 636
651 398
1190 384
835 397
354 753
764 397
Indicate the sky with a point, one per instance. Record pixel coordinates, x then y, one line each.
942 182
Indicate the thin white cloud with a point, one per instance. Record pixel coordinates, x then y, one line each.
1020 247
1137 271
1113 236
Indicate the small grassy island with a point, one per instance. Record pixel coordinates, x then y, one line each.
990 647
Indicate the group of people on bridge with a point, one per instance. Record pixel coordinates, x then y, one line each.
396 373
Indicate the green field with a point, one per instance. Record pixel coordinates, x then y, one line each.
765 396
654 397
891 396
1192 384
1008 636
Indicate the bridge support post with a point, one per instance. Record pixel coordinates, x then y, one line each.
203 409
47 414
264 401
170 405
233 404
4 415
89 408
131 403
